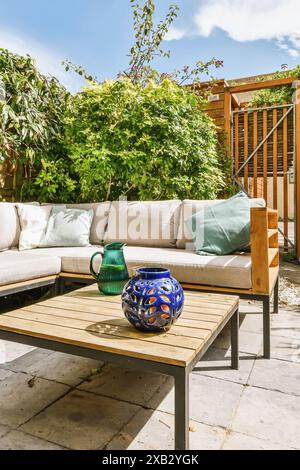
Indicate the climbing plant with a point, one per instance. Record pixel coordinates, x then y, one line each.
276 95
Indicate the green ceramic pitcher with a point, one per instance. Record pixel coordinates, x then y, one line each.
113 273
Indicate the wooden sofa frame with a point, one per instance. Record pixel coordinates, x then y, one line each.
265 272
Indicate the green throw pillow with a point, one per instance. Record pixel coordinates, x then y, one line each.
223 228
68 227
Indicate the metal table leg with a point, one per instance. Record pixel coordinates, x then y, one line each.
235 326
182 409
276 294
267 328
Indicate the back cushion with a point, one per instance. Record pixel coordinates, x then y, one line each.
101 210
33 223
191 207
144 223
9 226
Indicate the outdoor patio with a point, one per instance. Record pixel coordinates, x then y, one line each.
54 401
149 218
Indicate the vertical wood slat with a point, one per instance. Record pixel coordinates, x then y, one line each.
297 172
255 156
265 156
259 250
246 150
227 121
285 182
236 143
275 151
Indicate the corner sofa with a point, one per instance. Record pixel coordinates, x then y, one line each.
155 235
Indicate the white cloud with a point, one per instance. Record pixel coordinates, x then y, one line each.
251 20
293 53
47 61
175 33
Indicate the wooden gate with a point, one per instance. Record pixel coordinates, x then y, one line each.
263 153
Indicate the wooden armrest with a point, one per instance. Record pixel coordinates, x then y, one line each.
264 249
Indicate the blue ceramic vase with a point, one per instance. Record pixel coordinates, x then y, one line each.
152 300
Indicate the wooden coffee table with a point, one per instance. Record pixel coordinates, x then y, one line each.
86 324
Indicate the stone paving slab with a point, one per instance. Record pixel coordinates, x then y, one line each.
285 348
123 384
250 342
237 441
252 323
81 420
18 440
217 363
19 402
64 368
10 351
154 430
25 359
276 375
5 373
287 324
212 401
269 415
3 430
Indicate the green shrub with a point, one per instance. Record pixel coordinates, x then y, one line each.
32 107
145 142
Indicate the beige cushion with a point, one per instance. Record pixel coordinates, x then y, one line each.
76 259
79 251
191 207
9 226
33 222
143 223
101 210
189 267
16 266
223 271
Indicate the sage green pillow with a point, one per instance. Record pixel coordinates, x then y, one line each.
222 228
68 227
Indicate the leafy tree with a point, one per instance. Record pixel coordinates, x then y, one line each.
145 142
148 40
32 107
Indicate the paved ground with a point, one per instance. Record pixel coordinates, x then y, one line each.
53 401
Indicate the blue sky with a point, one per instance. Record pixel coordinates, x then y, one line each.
250 36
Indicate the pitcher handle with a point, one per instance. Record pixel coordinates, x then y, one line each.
92 271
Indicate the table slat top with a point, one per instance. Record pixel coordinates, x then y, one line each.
86 319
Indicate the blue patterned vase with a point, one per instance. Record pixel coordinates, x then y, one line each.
152 300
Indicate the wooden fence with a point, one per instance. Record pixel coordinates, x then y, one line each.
263 152
264 144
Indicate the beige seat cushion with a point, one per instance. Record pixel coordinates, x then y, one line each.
9 226
187 266
74 259
143 223
99 224
18 266
191 207
223 271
